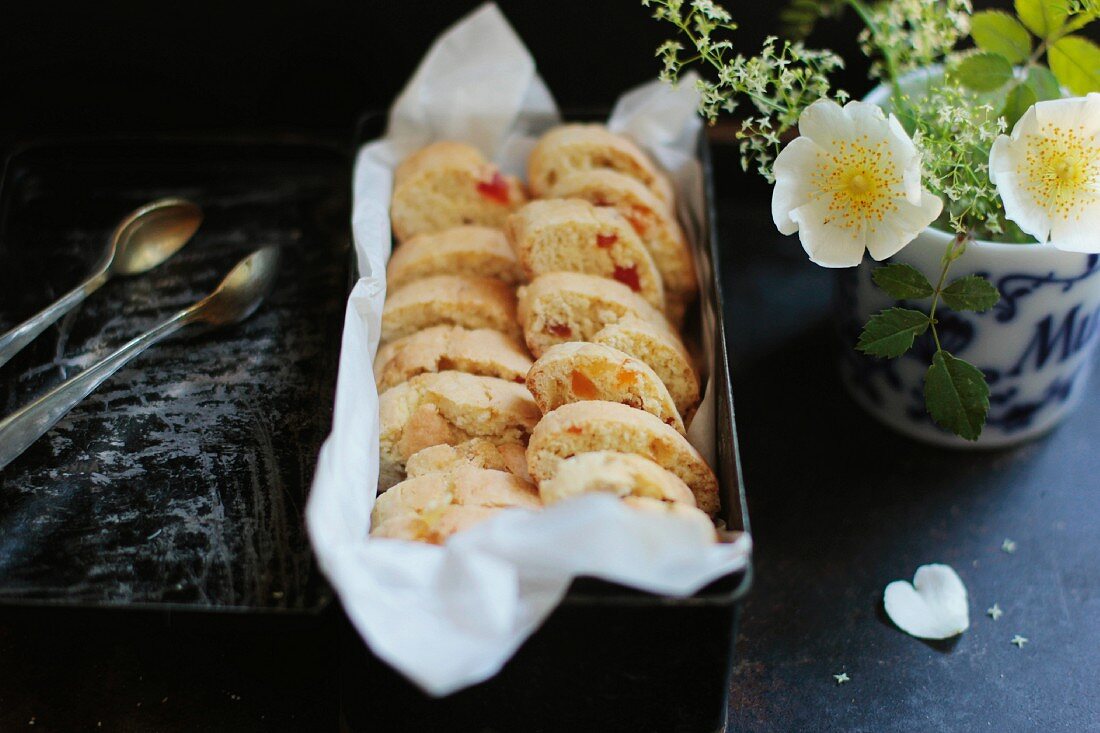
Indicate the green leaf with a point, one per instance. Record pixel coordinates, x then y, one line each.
998 32
890 333
1077 22
970 293
1043 82
956 395
983 72
1075 61
1044 18
902 282
1019 99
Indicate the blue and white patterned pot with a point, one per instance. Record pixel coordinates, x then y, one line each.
1035 346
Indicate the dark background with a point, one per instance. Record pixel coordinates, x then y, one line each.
314 66
829 537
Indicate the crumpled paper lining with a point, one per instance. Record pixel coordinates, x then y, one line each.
449 617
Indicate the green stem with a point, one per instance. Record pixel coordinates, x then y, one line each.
948 257
1039 51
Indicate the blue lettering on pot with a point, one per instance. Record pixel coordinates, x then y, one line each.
1018 285
1072 334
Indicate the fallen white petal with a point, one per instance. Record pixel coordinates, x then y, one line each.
933 606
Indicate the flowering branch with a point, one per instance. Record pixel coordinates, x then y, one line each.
779 82
859 180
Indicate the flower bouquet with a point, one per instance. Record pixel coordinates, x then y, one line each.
974 169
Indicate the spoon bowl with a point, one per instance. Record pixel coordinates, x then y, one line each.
152 234
242 290
143 240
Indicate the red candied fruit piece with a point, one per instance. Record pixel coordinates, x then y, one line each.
574 430
606 240
628 276
495 189
600 200
560 329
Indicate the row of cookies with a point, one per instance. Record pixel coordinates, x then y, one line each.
454 416
454 411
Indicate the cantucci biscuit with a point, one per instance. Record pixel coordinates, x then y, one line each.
477 452
449 184
663 353
650 219
449 408
571 306
443 348
621 474
435 528
467 250
582 427
572 235
576 371
464 486
570 148
451 300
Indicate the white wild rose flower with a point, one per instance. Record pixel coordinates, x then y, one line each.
1048 172
851 182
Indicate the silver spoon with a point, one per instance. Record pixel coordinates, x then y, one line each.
141 241
238 295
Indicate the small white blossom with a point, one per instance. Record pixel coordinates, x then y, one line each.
915 33
850 183
1048 172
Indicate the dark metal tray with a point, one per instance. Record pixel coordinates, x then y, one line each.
181 482
609 658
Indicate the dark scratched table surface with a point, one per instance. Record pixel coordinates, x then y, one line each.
839 507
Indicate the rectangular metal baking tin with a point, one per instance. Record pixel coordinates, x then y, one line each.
180 483
609 658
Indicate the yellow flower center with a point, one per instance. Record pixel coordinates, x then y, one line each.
1062 170
860 181
859 184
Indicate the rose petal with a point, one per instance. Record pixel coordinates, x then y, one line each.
933 606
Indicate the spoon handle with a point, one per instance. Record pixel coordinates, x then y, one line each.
28 424
15 339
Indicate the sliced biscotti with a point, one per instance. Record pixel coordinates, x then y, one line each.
443 348
476 452
464 486
451 300
576 371
615 472
572 306
570 148
466 250
641 483
448 184
566 306
435 527
650 219
572 235
582 427
663 352
449 408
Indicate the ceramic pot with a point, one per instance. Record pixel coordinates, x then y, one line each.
1035 346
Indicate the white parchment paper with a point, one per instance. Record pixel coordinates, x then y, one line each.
451 616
